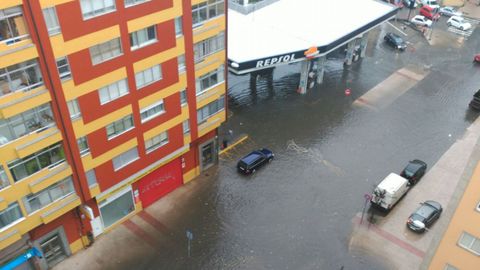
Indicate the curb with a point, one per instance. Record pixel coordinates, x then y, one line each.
237 142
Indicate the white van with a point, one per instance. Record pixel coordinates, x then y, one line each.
390 191
431 3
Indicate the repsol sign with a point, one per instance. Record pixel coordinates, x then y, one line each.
275 60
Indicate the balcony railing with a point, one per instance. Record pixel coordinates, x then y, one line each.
20 77
34 120
12 25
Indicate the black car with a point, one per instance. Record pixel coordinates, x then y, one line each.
395 41
424 216
251 162
414 171
410 4
475 102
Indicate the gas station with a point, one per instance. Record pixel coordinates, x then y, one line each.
269 33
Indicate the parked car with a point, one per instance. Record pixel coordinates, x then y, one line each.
475 102
407 4
459 22
388 192
424 216
476 58
414 170
395 40
449 11
421 20
431 3
254 160
430 13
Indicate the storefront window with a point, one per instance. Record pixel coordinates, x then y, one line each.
114 209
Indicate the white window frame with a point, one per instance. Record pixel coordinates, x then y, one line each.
209 46
206 6
51 20
74 109
136 36
178 26
186 127
63 75
84 4
181 63
120 131
106 51
125 162
198 82
113 91
183 101
134 2
148 73
162 139
152 108
472 242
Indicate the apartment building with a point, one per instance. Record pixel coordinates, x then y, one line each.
459 248
105 107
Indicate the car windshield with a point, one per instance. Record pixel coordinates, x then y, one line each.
252 157
411 168
433 3
418 217
424 211
397 39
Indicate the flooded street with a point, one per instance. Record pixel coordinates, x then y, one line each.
296 212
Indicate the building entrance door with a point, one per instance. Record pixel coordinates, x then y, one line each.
208 154
53 250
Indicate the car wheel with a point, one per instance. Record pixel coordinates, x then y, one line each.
461 28
270 159
253 171
449 24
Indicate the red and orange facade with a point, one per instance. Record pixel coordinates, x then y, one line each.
105 107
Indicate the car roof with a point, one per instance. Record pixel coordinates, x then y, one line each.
250 158
419 17
425 210
457 17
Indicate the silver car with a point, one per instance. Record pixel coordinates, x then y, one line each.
449 11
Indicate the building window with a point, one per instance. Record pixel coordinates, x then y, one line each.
3 178
148 76
152 111
206 11
12 25
10 215
156 142
83 145
20 77
209 46
118 127
51 20
125 158
183 97
63 68
143 37
106 51
55 192
210 109
45 158
113 91
450 267
181 63
93 8
178 26
91 177
74 109
186 127
34 120
470 243
116 207
129 3
209 80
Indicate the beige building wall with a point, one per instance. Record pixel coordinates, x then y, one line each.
465 219
455 3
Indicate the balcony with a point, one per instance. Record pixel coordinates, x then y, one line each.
13 28
20 77
32 121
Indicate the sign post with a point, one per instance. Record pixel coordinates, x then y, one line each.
190 238
367 198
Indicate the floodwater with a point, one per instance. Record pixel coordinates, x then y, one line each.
296 212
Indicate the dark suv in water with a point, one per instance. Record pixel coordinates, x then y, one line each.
475 103
251 162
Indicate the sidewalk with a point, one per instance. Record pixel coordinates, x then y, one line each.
389 239
471 9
